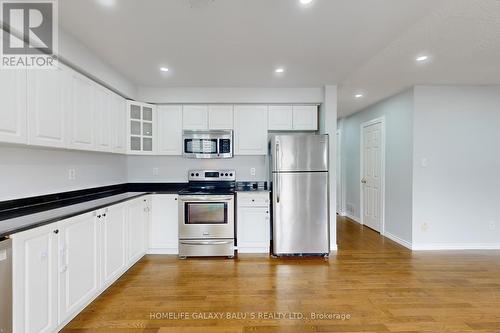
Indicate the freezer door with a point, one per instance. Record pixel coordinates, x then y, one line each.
299 153
300 213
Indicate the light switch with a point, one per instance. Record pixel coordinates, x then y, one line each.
252 171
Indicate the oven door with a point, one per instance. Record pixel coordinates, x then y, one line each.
206 216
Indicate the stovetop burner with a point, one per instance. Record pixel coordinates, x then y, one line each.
210 182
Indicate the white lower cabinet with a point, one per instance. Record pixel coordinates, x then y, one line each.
114 243
253 222
163 234
35 280
137 219
60 268
79 263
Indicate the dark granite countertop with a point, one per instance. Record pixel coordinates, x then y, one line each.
28 213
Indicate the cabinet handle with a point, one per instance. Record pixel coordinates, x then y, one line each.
99 216
104 215
56 231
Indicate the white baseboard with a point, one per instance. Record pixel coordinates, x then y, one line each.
254 250
333 248
163 251
352 217
398 240
455 246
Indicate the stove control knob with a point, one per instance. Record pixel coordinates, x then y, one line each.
226 174
192 175
197 174
231 174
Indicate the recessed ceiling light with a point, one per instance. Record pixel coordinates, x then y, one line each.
279 70
107 3
305 2
358 96
422 58
164 69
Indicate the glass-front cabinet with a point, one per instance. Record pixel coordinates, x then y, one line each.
141 128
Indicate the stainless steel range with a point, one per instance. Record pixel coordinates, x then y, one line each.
206 214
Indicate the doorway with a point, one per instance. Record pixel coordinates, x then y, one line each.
372 169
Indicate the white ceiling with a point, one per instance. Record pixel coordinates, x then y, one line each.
362 45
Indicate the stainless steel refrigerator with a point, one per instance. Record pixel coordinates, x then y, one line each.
299 166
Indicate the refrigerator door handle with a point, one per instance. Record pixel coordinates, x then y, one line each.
278 166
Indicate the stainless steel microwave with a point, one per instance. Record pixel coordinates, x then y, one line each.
208 144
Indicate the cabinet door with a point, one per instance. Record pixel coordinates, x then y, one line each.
305 117
141 128
164 224
79 272
220 117
195 117
169 130
35 280
253 230
102 118
119 124
48 102
13 106
81 125
113 233
250 129
280 117
136 219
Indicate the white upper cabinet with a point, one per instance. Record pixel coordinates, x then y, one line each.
81 115
102 118
293 118
48 104
13 106
250 129
119 124
141 128
280 117
195 117
305 117
220 117
169 130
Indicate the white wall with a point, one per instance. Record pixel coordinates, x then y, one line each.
175 168
81 58
26 172
456 197
398 113
230 95
328 125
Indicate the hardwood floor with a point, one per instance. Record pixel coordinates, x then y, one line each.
382 286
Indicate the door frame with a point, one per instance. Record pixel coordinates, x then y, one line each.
380 120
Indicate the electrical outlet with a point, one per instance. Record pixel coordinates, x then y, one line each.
156 172
492 225
425 227
71 174
252 171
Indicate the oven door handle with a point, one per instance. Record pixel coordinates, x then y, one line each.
206 242
207 198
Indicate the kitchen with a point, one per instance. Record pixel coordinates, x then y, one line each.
248 166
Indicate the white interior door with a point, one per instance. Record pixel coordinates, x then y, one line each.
371 181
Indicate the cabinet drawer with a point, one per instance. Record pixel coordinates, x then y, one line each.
253 199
